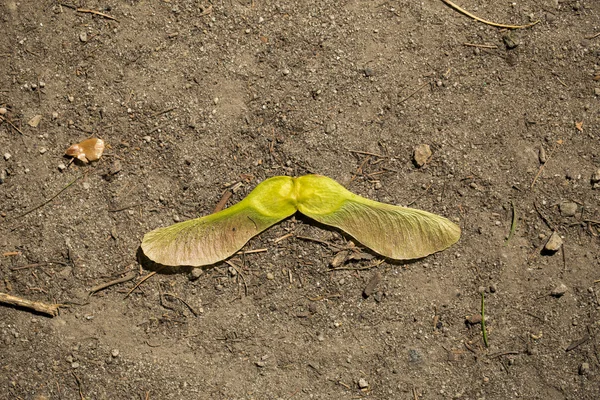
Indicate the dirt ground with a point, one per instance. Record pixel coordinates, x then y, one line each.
192 97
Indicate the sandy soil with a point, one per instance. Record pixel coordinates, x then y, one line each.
193 96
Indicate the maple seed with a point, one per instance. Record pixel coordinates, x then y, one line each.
89 150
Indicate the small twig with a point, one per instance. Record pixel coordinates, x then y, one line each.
105 285
11 124
366 153
35 265
419 197
224 199
483 330
183 301
413 93
144 279
279 239
505 353
513 224
49 309
168 110
468 14
546 163
359 170
84 10
125 207
252 251
49 200
240 274
483 46
375 264
593 36
543 217
78 386
319 241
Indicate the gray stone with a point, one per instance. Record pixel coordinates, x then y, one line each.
414 356
559 290
584 368
568 209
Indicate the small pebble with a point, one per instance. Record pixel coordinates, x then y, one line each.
320 337
196 273
270 276
568 209
330 128
71 99
362 383
421 155
474 319
83 37
595 179
176 218
43 150
584 368
553 244
147 139
62 167
54 115
216 101
114 353
493 288
75 365
559 290
414 356
86 185
286 71
542 156
7 156
3 111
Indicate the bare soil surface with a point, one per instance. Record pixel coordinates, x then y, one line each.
192 97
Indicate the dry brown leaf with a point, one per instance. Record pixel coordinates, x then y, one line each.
89 150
